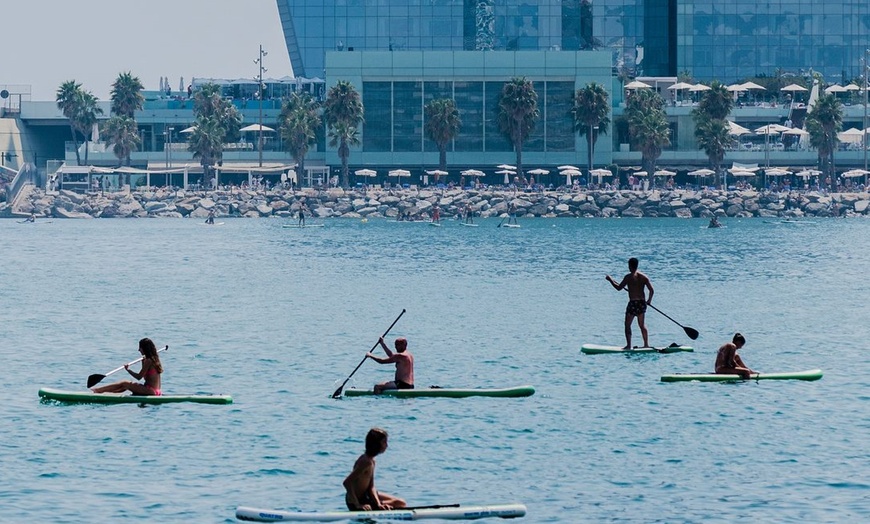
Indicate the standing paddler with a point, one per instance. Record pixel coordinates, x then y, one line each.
636 282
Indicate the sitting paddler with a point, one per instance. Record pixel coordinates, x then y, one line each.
714 222
360 484
404 366
728 362
151 371
635 281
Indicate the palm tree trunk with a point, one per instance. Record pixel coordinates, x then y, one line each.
589 141
75 144
442 158
519 147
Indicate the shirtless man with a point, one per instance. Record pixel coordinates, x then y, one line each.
728 362
360 484
635 281
404 366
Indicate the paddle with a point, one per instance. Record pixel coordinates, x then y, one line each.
341 387
691 332
502 221
95 379
434 506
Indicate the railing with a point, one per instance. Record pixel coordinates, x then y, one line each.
25 176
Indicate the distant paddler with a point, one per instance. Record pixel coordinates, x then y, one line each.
728 362
469 214
404 362
360 484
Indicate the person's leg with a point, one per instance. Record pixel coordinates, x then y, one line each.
391 501
642 326
379 388
628 319
117 387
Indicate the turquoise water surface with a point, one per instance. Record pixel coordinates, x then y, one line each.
278 318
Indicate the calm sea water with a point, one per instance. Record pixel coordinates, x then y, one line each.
279 317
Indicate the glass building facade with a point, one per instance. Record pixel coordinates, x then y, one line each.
727 40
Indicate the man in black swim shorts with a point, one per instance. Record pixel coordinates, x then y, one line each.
637 283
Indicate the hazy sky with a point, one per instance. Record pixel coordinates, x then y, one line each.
46 42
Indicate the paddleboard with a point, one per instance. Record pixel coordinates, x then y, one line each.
468 225
511 225
811 374
89 397
518 391
597 349
302 226
505 511
215 224
435 224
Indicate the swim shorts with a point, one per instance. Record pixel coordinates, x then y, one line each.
635 307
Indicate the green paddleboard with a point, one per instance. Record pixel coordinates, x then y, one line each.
811 374
88 397
519 391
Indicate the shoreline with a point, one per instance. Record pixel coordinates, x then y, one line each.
419 204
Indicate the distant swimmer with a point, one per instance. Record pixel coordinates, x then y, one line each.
635 281
714 222
360 484
404 361
728 362
32 217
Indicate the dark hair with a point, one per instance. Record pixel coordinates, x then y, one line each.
738 339
632 264
374 441
401 344
149 351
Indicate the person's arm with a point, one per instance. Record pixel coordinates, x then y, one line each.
618 287
651 291
137 376
740 364
389 360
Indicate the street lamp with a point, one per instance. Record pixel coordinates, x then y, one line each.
260 89
168 134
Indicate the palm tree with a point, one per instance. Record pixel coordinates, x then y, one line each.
517 114
123 133
442 126
87 116
343 113
717 102
647 125
823 122
714 137
300 119
591 114
126 95
69 101
711 128
217 121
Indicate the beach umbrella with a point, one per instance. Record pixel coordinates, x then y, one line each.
753 85
736 129
506 166
793 88
255 127
836 88
505 172
851 135
679 86
640 173
701 172
365 172
796 131
567 167
664 172
807 173
637 84
854 173
736 88
699 87
852 87
473 172
190 129
539 172
741 172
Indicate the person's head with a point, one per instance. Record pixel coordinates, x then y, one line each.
632 264
376 441
149 351
738 340
401 344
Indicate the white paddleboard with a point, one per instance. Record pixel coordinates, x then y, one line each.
468 225
215 224
301 225
514 226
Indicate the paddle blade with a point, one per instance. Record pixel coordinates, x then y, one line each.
338 391
692 333
95 379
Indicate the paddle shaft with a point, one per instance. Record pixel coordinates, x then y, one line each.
337 392
96 379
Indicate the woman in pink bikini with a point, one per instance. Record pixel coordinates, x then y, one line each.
151 371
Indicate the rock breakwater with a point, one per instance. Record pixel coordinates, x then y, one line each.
419 204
